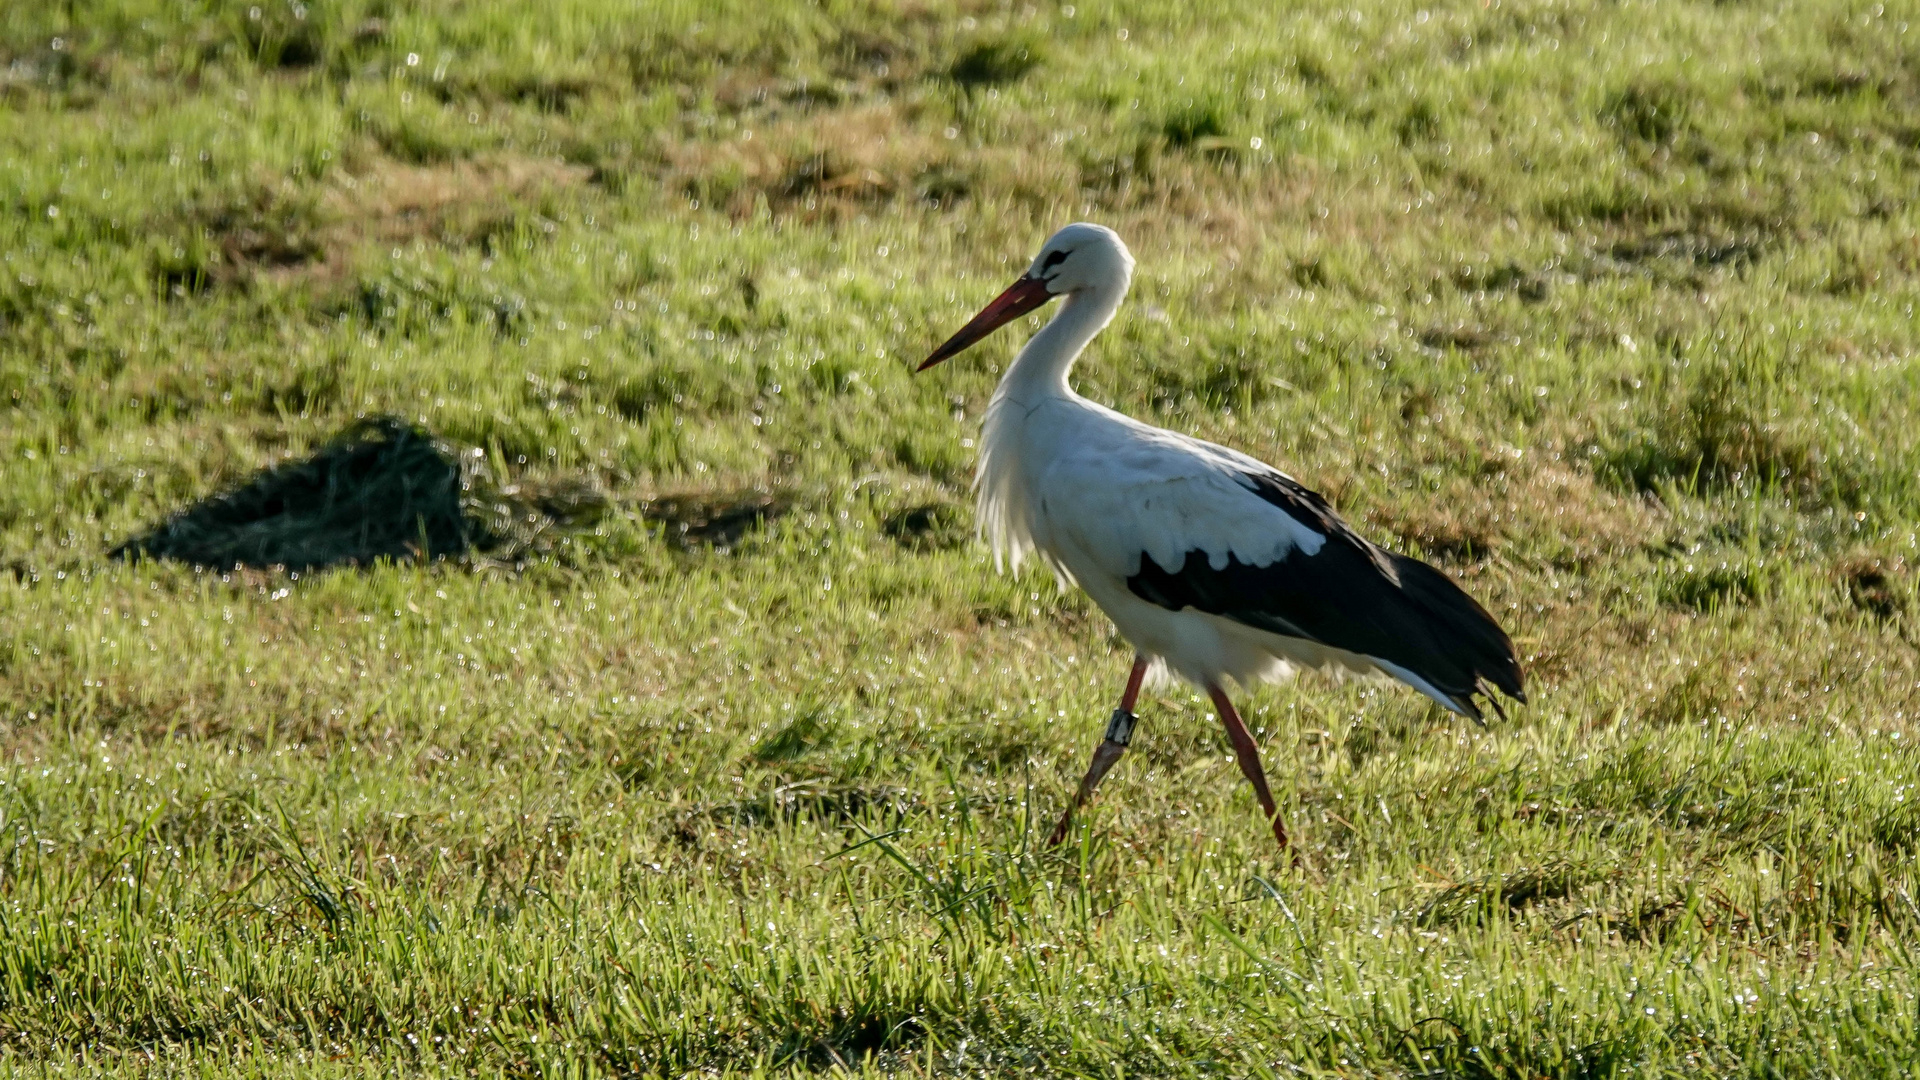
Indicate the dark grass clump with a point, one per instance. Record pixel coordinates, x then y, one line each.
935 526
383 489
1654 112
1473 902
1711 587
1876 585
717 521
1195 124
996 62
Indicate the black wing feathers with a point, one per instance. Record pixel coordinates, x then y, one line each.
1352 596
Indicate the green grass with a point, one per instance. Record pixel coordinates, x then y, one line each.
1609 308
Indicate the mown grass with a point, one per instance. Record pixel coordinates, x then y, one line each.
1609 308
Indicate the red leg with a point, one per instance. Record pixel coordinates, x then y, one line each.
1134 679
1119 733
1249 757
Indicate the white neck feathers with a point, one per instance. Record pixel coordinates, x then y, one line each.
1040 371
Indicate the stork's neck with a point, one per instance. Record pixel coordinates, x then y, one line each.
1040 371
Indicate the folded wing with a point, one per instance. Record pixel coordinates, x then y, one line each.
1192 525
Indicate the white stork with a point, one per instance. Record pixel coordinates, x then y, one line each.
1214 566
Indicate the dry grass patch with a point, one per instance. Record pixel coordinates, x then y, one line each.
828 164
1556 512
456 203
227 238
278 231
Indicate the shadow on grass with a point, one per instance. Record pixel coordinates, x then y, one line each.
383 489
387 489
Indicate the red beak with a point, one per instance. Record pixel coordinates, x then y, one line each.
1021 297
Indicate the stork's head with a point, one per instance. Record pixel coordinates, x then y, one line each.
1079 258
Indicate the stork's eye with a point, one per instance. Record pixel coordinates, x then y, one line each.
1053 259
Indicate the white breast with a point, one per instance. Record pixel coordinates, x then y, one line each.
1003 485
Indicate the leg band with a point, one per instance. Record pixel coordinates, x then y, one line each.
1120 727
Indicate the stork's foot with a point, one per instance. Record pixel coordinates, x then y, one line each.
1119 734
1104 756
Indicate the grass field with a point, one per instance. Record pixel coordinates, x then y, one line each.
735 759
